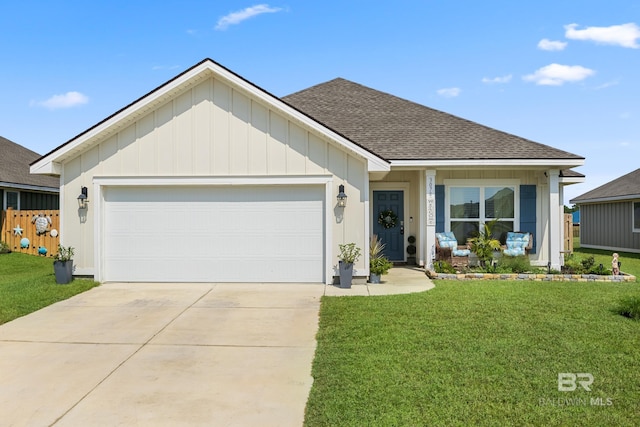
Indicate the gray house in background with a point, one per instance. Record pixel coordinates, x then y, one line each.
19 189
610 215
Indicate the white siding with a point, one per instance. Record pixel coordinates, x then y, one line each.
214 129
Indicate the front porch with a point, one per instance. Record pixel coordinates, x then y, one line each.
461 199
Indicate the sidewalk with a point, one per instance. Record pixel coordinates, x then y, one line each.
399 280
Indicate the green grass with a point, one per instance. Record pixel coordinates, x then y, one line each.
477 353
630 262
27 284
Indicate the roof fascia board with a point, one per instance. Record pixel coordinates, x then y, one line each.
559 163
42 166
46 168
572 179
29 187
626 198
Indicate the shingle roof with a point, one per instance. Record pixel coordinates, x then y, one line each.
625 187
14 166
398 129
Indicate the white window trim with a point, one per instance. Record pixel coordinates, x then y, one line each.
4 198
633 212
515 183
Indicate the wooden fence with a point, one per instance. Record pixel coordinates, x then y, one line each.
568 232
18 230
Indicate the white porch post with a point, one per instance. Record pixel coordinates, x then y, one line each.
430 223
555 225
421 229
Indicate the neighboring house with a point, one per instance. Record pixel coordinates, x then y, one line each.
610 215
19 189
210 178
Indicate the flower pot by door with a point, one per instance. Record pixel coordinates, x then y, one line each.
63 271
374 278
346 274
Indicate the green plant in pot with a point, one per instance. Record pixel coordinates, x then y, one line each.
63 265
349 254
378 263
483 244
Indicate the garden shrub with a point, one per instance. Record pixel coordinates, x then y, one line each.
443 267
630 307
576 265
515 264
588 263
4 248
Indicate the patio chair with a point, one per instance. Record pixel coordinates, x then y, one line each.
447 249
517 243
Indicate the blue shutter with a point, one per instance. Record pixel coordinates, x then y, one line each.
528 212
439 208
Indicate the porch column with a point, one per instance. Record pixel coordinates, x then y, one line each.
429 225
555 225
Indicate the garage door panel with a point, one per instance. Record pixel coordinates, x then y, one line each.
215 234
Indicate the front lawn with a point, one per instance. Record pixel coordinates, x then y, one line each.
478 353
27 284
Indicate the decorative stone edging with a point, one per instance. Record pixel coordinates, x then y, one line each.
532 277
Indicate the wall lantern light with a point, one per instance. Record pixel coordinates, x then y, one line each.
342 198
82 198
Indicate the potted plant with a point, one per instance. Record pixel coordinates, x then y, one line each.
349 253
483 244
378 263
63 265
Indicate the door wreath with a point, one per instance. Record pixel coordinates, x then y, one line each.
388 218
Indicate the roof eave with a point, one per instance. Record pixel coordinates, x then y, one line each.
436 163
572 179
29 187
606 199
47 163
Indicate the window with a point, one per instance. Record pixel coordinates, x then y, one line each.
636 216
469 207
12 200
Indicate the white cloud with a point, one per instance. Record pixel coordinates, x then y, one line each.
546 44
67 100
557 75
502 79
241 15
450 92
607 84
625 35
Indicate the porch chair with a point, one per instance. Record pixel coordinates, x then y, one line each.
517 243
447 249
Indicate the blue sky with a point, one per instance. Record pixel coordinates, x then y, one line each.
564 73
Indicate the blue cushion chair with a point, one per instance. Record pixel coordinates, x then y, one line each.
517 243
447 249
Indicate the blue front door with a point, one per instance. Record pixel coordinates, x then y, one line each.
391 231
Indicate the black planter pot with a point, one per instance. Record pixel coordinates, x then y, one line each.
346 274
63 271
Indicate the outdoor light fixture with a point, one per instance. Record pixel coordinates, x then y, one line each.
82 198
549 267
342 198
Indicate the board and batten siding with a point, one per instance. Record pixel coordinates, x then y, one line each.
608 226
214 129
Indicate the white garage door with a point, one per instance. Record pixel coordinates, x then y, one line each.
214 234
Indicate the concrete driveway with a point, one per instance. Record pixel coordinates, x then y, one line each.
163 354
